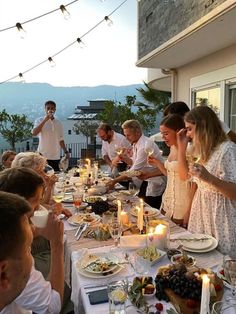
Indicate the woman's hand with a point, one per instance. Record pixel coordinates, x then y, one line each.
144 175
200 172
153 161
182 139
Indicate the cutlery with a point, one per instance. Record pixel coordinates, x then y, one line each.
77 231
84 227
190 239
94 286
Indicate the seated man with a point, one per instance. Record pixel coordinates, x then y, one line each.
39 295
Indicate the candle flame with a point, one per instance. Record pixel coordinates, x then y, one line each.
160 228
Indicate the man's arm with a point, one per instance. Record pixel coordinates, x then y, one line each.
36 130
107 160
63 146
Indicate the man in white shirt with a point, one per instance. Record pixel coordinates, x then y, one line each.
138 161
112 144
51 138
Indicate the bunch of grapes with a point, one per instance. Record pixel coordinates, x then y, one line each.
99 207
181 282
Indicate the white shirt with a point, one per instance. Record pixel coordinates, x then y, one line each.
38 296
109 149
49 138
156 185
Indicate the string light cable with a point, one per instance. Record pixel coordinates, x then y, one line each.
19 25
78 40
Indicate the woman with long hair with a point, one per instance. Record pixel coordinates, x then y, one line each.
213 208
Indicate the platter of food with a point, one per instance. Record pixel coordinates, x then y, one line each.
77 219
94 198
131 173
148 211
99 265
150 254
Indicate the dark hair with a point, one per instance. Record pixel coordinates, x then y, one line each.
178 107
50 102
12 208
22 181
174 122
105 127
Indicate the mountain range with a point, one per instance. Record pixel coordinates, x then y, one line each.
29 98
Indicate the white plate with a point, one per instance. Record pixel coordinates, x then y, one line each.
75 219
222 277
151 212
94 198
151 263
212 247
84 273
198 245
104 257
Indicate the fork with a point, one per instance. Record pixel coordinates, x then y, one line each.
78 230
83 228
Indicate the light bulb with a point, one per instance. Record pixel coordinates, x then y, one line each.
21 78
65 12
109 21
80 42
21 30
51 62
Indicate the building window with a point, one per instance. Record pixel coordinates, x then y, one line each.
232 107
69 132
208 97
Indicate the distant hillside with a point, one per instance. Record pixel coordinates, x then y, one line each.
29 98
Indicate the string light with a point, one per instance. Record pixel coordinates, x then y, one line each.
21 78
108 20
40 16
51 62
65 12
21 30
78 40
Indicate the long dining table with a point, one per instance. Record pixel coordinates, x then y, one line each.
81 285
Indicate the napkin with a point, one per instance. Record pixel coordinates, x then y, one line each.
133 241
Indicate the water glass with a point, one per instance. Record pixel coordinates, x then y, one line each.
117 294
230 274
115 229
224 307
141 266
133 189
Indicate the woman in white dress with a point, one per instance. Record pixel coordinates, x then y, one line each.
175 200
213 208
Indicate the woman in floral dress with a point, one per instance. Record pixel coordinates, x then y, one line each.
213 208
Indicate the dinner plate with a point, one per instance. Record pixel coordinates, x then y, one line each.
84 273
102 257
212 247
222 277
151 211
94 198
77 219
68 199
198 244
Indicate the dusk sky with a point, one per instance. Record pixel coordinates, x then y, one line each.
109 55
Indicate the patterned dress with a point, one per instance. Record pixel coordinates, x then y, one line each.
213 213
175 199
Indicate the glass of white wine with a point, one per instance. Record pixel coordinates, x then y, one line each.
115 229
149 148
58 195
119 151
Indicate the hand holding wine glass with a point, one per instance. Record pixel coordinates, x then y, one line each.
119 151
149 148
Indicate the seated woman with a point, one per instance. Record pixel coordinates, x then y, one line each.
38 163
213 208
7 159
175 200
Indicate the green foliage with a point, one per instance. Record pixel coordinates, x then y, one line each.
156 99
116 113
14 128
86 127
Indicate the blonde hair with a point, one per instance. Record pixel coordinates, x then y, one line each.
30 160
208 132
132 125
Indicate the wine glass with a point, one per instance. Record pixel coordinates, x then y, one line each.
133 189
115 229
49 170
119 151
230 274
149 148
58 196
77 200
224 307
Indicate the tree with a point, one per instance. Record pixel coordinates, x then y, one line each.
87 128
156 99
117 113
14 128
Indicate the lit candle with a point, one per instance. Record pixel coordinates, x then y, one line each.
205 298
150 236
124 218
95 173
88 166
119 210
141 204
160 237
140 218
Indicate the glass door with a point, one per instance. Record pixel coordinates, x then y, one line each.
232 107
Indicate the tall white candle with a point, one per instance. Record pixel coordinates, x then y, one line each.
205 298
88 166
124 218
141 204
140 218
119 210
95 173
